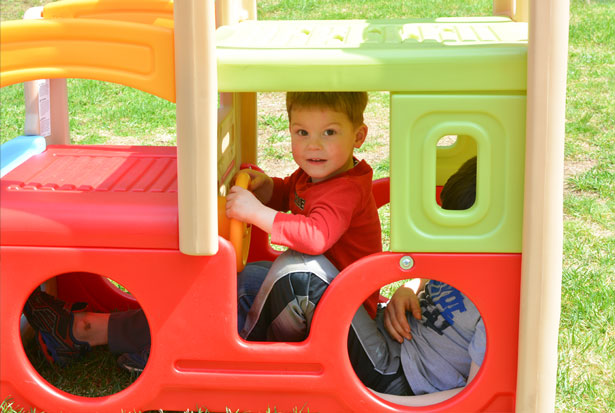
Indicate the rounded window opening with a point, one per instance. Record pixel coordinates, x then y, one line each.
425 345
84 335
456 160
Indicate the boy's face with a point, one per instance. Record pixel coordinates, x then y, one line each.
323 141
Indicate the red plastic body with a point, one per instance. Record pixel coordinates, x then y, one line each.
129 234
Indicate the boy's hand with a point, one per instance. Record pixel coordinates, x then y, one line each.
261 185
242 205
395 320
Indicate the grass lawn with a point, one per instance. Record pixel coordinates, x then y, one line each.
106 113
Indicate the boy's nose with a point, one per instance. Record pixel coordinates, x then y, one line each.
314 143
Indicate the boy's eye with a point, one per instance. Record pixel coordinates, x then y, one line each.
329 132
302 132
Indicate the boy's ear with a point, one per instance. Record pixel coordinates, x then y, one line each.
360 135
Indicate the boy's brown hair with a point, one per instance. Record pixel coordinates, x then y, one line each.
351 103
459 191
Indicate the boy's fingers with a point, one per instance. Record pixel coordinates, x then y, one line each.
235 189
400 318
398 323
402 329
392 330
415 308
232 196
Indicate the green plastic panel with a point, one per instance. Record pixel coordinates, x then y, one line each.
445 54
491 126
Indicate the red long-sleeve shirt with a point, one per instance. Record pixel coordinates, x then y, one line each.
337 217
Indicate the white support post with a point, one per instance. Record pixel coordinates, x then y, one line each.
196 99
543 216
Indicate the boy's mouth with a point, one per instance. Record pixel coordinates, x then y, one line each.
316 160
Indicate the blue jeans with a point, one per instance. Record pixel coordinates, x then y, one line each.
249 281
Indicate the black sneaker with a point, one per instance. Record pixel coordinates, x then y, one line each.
134 362
53 320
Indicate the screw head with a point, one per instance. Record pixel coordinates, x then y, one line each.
406 262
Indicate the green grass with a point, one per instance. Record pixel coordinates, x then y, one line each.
100 113
104 113
12 113
369 9
587 328
128 114
96 374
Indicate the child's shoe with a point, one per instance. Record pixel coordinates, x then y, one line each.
134 362
53 319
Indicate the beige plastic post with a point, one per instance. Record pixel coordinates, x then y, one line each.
543 220
517 10
196 107
34 110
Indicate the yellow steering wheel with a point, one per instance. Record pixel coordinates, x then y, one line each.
239 232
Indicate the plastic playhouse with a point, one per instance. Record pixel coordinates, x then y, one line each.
139 215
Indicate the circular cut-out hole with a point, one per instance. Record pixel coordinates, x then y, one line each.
448 337
91 370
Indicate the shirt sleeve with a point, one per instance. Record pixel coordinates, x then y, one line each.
478 344
327 221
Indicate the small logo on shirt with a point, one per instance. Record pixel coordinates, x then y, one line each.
448 298
300 202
